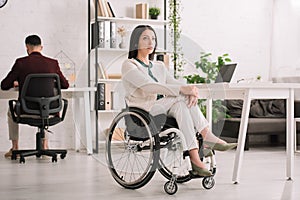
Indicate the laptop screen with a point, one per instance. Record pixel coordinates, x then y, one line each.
225 73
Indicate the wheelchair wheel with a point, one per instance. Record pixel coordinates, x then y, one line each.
172 161
170 188
132 160
208 182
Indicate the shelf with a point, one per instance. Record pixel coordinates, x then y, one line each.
129 20
109 80
109 111
159 50
112 49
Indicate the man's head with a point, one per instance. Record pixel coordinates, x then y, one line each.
33 44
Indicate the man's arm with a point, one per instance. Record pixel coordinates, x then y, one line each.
9 81
64 84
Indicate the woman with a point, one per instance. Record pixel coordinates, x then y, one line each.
149 86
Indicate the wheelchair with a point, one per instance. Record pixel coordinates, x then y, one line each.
138 144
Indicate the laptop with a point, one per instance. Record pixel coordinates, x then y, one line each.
225 73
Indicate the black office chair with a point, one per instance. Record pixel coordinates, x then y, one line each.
39 105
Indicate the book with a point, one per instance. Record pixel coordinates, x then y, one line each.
94 36
106 34
142 10
100 8
164 58
103 97
101 71
113 35
146 10
100 97
97 35
107 96
105 11
114 76
108 9
139 11
111 9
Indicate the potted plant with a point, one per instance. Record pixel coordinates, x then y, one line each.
154 12
211 70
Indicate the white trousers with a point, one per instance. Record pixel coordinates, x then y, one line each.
190 120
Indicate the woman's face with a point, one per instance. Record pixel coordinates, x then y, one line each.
147 42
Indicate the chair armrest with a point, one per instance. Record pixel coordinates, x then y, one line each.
65 106
15 109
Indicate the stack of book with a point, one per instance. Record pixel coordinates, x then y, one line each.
103 96
107 98
104 35
105 9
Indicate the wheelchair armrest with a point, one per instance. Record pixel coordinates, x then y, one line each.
15 109
65 106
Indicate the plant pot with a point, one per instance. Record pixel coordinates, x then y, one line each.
153 17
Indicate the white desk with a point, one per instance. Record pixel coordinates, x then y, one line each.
75 93
247 92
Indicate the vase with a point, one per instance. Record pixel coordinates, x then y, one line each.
122 44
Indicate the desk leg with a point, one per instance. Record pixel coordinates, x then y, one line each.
77 130
290 140
88 131
209 112
242 137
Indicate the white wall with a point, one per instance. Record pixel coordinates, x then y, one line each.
62 26
286 39
240 28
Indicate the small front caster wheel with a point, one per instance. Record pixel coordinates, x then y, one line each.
170 187
14 157
22 159
62 156
54 158
208 182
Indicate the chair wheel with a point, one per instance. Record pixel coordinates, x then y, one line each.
62 156
22 159
170 187
14 157
54 158
208 182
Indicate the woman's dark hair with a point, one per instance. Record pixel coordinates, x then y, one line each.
134 41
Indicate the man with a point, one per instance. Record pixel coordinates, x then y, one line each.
34 63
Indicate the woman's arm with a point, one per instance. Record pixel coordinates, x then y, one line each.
141 80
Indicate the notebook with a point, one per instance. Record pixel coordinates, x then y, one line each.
225 73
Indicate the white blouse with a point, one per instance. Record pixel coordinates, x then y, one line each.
141 89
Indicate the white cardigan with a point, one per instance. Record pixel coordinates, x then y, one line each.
141 89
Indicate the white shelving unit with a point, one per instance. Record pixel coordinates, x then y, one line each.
111 57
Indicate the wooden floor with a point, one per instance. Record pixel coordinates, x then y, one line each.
83 177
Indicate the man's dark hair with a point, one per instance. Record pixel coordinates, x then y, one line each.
33 40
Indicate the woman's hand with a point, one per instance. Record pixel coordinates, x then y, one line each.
191 92
188 90
192 101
